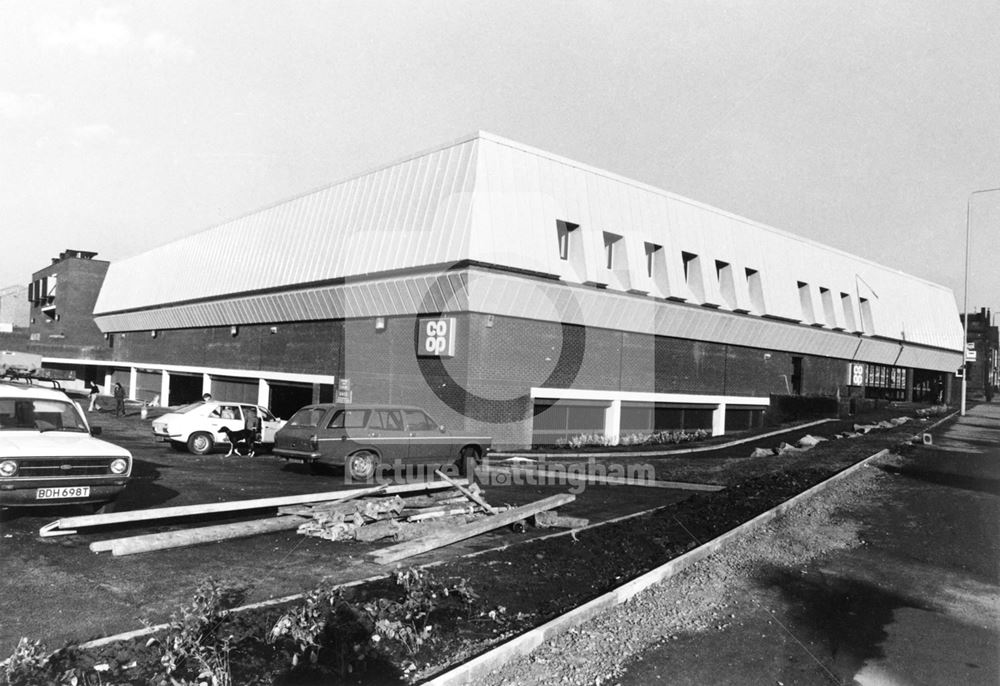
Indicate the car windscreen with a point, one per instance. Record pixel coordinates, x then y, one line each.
307 416
40 415
187 408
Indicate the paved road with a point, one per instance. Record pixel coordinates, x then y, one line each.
889 577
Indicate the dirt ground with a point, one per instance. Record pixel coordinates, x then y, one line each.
48 587
889 577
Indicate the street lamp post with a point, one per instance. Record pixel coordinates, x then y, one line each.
965 297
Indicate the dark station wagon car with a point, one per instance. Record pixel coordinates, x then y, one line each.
361 437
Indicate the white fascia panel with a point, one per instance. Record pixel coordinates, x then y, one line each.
645 397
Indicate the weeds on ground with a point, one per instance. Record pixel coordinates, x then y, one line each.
407 622
195 651
633 439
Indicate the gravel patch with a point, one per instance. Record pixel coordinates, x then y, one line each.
707 596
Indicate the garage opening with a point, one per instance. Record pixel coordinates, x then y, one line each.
744 418
287 398
147 384
556 421
184 388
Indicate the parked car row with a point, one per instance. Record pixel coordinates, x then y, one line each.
357 438
49 453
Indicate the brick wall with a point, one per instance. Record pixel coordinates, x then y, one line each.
484 388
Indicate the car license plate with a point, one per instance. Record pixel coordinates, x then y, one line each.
63 492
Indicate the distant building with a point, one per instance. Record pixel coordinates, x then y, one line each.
513 292
984 371
61 325
13 308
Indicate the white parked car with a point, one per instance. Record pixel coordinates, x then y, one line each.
49 454
198 426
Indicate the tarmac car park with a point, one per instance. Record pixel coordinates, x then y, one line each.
49 454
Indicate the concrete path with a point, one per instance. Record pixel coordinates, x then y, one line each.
890 577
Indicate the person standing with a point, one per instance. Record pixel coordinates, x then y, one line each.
119 399
94 392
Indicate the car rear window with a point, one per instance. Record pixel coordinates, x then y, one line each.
308 416
349 419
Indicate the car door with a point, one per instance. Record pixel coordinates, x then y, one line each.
269 424
228 415
385 431
425 436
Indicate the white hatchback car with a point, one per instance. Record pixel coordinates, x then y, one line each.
198 426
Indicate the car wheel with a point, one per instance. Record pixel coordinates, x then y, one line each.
361 465
469 452
200 443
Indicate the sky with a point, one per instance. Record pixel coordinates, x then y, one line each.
863 125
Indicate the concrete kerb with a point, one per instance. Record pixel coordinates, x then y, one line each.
476 669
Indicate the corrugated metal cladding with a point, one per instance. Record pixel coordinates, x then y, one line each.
510 295
498 202
409 214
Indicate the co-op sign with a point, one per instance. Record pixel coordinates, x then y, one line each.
437 337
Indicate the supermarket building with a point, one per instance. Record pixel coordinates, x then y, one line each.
514 292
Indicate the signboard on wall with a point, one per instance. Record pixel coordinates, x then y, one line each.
857 374
436 337
970 352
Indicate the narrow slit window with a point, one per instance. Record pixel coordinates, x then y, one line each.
850 321
564 232
652 253
828 310
612 250
867 323
756 289
805 300
727 287
692 275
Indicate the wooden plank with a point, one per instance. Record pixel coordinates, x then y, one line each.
186 537
489 509
53 529
569 477
459 533
467 508
551 520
